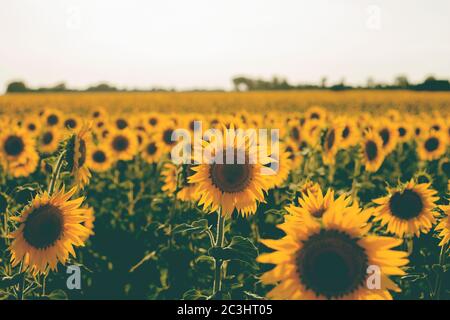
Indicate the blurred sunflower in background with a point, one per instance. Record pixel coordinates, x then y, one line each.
32 126
372 151
151 151
123 144
443 227
330 258
331 144
176 180
388 134
99 158
408 209
50 226
281 164
49 140
431 146
52 117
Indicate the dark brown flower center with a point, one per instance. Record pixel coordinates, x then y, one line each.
406 205
345 132
401 132
295 133
70 123
371 150
167 136
385 135
231 177
44 226
47 138
330 139
121 124
151 148
332 264
120 143
432 144
52 120
153 121
32 127
14 146
99 156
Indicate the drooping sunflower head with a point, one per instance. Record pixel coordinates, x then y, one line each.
372 151
227 179
331 257
50 226
76 149
408 209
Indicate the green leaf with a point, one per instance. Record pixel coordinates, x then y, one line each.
240 249
194 294
204 258
196 227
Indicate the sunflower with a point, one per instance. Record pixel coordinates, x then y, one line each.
25 167
405 131
281 164
331 258
408 209
311 132
176 180
50 226
99 113
72 122
293 149
32 126
121 123
431 146
76 154
349 133
165 136
153 120
123 144
16 146
316 113
52 117
331 144
88 223
48 140
99 158
372 151
313 203
151 151
232 186
388 134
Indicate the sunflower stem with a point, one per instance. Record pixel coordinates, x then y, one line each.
20 291
356 174
220 239
56 173
438 285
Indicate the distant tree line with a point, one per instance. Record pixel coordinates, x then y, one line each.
242 83
21 87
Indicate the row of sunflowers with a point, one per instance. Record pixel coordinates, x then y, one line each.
356 207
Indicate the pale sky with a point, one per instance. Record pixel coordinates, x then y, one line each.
204 43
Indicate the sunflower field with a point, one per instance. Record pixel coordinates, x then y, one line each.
348 200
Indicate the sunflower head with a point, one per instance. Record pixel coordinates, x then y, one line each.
329 257
49 227
372 151
76 149
408 209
